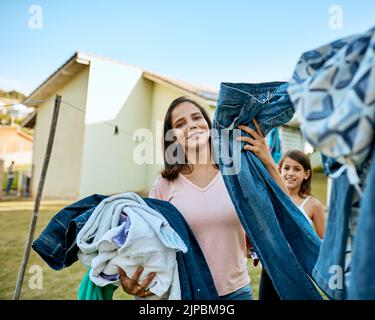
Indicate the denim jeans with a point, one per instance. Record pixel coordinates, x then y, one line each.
283 239
57 242
57 246
244 293
332 253
362 279
338 259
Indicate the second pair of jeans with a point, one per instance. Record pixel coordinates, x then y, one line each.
285 242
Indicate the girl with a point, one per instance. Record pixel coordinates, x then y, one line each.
295 168
194 185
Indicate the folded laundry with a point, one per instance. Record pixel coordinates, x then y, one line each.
151 242
57 245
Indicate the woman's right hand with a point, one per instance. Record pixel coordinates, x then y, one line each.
131 285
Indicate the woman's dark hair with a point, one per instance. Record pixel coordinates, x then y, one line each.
172 169
304 161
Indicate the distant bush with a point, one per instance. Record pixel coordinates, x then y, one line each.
12 94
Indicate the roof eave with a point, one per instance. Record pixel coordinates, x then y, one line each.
172 84
29 121
60 77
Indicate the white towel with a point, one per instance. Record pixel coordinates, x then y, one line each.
151 242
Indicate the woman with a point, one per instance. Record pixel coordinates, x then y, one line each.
194 185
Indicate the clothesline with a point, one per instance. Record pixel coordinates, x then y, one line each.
115 127
77 108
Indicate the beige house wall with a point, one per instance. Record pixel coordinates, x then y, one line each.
63 176
119 96
15 147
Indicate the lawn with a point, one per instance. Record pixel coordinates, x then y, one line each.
15 217
15 220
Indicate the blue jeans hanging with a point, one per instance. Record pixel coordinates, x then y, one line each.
282 237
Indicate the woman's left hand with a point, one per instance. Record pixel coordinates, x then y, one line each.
256 144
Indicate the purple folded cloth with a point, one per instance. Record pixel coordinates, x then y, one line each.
120 238
110 277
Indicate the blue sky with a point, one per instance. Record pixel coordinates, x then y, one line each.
199 41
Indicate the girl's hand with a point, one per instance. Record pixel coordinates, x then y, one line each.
256 144
259 147
131 286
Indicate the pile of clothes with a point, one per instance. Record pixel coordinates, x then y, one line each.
127 231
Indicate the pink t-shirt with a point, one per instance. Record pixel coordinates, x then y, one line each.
215 224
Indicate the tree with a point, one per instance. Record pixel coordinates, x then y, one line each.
13 94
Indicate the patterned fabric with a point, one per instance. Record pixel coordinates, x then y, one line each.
333 92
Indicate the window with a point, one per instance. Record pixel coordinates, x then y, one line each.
291 138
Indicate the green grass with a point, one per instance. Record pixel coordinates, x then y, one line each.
15 219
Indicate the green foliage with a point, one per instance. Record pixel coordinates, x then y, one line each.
4 119
13 94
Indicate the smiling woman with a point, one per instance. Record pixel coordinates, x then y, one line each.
192 182
194 185
186 138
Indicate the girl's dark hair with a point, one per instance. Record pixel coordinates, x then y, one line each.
304 161
171 170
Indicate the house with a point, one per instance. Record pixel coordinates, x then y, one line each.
15 145
292 138
105 103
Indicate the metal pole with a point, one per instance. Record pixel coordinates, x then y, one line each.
38 198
